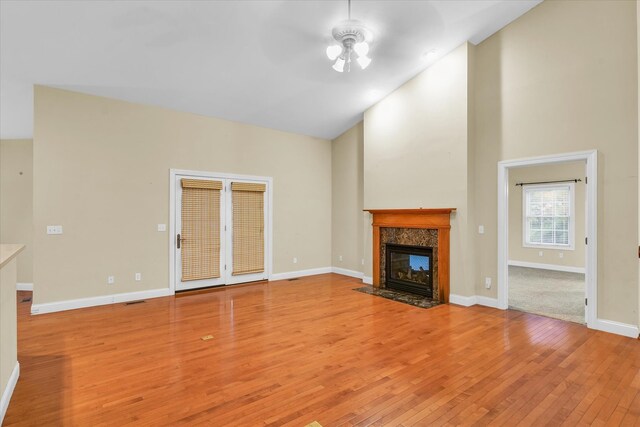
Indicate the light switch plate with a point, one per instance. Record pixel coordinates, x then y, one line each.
54 229
481 229
162 227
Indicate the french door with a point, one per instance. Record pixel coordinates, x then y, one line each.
220 230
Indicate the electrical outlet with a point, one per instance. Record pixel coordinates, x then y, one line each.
362 261
481 229
138 277
487 282
561 255
162 227
111 280
540 253
295 260
340 258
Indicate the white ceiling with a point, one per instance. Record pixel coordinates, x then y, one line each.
258 62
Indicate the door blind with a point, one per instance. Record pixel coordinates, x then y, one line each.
248 227
200 229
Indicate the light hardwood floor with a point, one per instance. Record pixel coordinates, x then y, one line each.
291 352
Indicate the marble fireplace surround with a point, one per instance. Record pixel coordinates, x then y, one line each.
432 228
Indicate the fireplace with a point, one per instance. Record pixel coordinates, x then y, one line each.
410 269
428 228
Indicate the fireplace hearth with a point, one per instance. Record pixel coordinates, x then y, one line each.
409 269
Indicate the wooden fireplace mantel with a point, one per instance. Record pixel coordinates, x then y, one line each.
438 219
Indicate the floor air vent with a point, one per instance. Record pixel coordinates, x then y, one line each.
134 302
295 278
26 299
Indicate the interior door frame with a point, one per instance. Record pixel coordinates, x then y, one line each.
173 173
591 225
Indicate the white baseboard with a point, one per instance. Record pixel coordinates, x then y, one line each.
614 327
300 273
24 286
473 300
52 307
314 271
367 280
345 272
487 301
462 300
610 326
553 267
8 391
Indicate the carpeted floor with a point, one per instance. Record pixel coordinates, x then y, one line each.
549 293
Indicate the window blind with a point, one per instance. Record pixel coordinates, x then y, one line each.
200 246
548 215
248 227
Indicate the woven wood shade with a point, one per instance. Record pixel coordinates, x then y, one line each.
248 186
201 183
248 227
200 229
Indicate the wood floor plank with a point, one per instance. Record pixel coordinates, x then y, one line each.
289 353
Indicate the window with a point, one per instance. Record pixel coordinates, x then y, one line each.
548 216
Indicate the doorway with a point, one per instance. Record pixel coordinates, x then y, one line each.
220 229
547 239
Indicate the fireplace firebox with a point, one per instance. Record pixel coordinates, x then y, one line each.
409 269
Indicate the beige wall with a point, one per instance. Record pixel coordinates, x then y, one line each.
347 197
101 170
563 78
416 153
8 323
518 252
16 201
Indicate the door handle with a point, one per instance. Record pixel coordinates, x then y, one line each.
179 241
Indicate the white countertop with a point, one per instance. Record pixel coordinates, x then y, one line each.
8 252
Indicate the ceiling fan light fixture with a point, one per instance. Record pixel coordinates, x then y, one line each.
334 51
361 48
364 61
339 65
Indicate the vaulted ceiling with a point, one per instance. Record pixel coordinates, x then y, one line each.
258 62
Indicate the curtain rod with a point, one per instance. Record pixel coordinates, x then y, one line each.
548 182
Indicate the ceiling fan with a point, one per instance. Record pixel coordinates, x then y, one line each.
352 39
